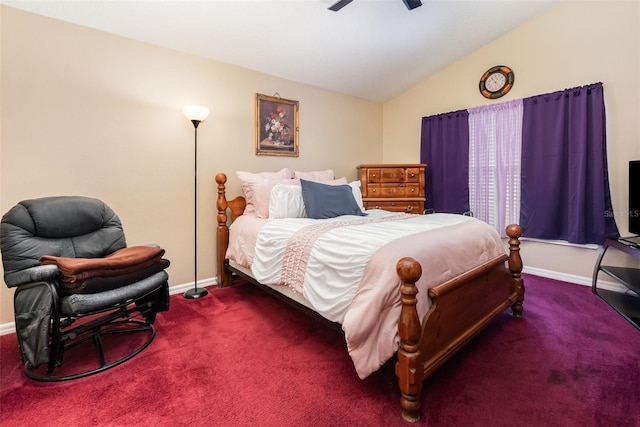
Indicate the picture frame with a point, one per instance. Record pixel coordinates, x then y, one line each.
276 126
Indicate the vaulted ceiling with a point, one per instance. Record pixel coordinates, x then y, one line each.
373 49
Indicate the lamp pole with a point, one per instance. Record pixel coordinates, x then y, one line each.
197 115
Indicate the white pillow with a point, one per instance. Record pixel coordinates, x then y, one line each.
357 193
261 190
286 202
318 176
247 177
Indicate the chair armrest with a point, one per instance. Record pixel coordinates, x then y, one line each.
40 273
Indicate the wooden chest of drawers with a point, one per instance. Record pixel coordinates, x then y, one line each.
393 187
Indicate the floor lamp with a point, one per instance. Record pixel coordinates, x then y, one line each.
196 114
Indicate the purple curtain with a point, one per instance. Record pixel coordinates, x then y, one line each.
565 185
444 147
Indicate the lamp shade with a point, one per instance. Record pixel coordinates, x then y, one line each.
195 112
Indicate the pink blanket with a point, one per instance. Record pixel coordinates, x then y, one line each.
371 324
350 276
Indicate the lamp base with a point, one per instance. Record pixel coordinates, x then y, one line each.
195 293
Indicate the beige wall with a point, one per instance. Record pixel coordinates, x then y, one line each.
573 44
89 113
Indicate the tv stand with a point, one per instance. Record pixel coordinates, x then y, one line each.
627 303
632 240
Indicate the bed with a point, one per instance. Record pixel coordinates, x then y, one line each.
394 309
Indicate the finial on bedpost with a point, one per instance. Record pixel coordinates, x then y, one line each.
514 231
222 232
408 367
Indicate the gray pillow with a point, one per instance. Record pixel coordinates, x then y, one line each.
328 201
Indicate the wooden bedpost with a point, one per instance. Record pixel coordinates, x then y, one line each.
236 206
514 232
222 238
409 366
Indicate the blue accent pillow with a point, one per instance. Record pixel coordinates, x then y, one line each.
328 201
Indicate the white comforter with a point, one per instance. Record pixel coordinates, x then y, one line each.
338 257
341 283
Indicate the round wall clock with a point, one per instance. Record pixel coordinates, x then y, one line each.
496 82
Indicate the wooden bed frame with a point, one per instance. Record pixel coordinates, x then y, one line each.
452 320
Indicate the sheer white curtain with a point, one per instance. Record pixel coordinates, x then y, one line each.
495 146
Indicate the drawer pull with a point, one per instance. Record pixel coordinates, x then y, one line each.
373 190
409 208
413 190
412 175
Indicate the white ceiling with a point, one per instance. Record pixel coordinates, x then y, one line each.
373 49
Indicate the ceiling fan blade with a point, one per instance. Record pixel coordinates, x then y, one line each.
412 4
339 5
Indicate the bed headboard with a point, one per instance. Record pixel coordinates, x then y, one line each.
237 206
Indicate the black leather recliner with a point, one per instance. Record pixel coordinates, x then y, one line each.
52 316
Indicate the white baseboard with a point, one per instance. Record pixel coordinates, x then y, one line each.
572 278
7 328
10 328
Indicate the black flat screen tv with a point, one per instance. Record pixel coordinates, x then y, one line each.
634 197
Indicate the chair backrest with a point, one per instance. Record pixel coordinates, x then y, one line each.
63 226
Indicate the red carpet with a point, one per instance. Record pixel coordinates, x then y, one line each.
239 357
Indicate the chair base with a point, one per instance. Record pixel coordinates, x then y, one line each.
127 326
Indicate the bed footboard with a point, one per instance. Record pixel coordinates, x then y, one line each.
451 321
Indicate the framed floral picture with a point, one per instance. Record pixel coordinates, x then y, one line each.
276 126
